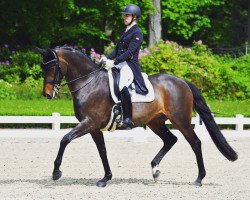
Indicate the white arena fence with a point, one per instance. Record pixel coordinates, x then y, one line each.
56 120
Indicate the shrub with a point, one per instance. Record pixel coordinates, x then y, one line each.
30 89
6 91
5 53
23 64
212 75
108 49
218 77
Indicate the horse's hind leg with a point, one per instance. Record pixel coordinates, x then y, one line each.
168 139
195 143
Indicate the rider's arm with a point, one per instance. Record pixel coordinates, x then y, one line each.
134 44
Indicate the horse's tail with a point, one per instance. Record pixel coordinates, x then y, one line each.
205 113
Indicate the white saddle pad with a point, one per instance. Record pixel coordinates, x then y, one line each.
135 97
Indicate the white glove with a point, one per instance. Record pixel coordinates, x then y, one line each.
103 59
108 64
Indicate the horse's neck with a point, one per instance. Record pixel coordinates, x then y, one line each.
78 67
80 71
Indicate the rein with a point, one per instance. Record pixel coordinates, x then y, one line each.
71 81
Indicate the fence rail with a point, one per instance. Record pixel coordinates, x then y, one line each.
56 120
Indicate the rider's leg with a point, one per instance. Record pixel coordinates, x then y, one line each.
127 108
126 78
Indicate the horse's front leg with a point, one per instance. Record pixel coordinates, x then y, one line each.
99 141
81 129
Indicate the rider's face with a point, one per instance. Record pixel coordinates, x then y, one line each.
127 19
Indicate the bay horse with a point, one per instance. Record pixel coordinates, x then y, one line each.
174 100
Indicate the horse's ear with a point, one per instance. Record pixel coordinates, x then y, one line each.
41 51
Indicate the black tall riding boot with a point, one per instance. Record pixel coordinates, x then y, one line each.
127 108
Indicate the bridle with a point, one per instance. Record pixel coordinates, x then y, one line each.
57 70
59 74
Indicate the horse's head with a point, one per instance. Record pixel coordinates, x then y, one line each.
64 61
53 72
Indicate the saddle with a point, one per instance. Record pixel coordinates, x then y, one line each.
114 77
116 113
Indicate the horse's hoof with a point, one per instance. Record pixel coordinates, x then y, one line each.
197 183
56 175
101 184
156 175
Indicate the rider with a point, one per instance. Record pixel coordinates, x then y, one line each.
125 58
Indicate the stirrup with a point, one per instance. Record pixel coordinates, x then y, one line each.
127 124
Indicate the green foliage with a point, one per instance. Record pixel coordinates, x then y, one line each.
5 53
30 89
88 23
217 77
188 16
108 49
211 74
95 23
239 69
228 24
6 91
24 64
24 74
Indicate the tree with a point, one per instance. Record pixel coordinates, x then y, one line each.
248 25
95 23
217 22
48 23
155 24
29 22
228 24
186 17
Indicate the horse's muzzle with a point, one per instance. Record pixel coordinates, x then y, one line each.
49 92
48 96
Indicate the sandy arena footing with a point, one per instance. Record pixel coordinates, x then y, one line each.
26 164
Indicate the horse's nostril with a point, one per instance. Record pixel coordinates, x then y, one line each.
48 96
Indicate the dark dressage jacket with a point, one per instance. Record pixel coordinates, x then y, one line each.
127 49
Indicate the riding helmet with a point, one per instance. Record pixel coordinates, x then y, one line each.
132 9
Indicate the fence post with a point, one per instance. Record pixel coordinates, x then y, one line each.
200 129
56 121
239 124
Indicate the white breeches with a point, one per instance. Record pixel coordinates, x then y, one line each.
126 75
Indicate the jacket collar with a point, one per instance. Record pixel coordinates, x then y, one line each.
130 26
129 31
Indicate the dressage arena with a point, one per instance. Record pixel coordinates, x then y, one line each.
26 164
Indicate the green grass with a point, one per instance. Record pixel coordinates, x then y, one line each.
41 107
65 107
230 108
